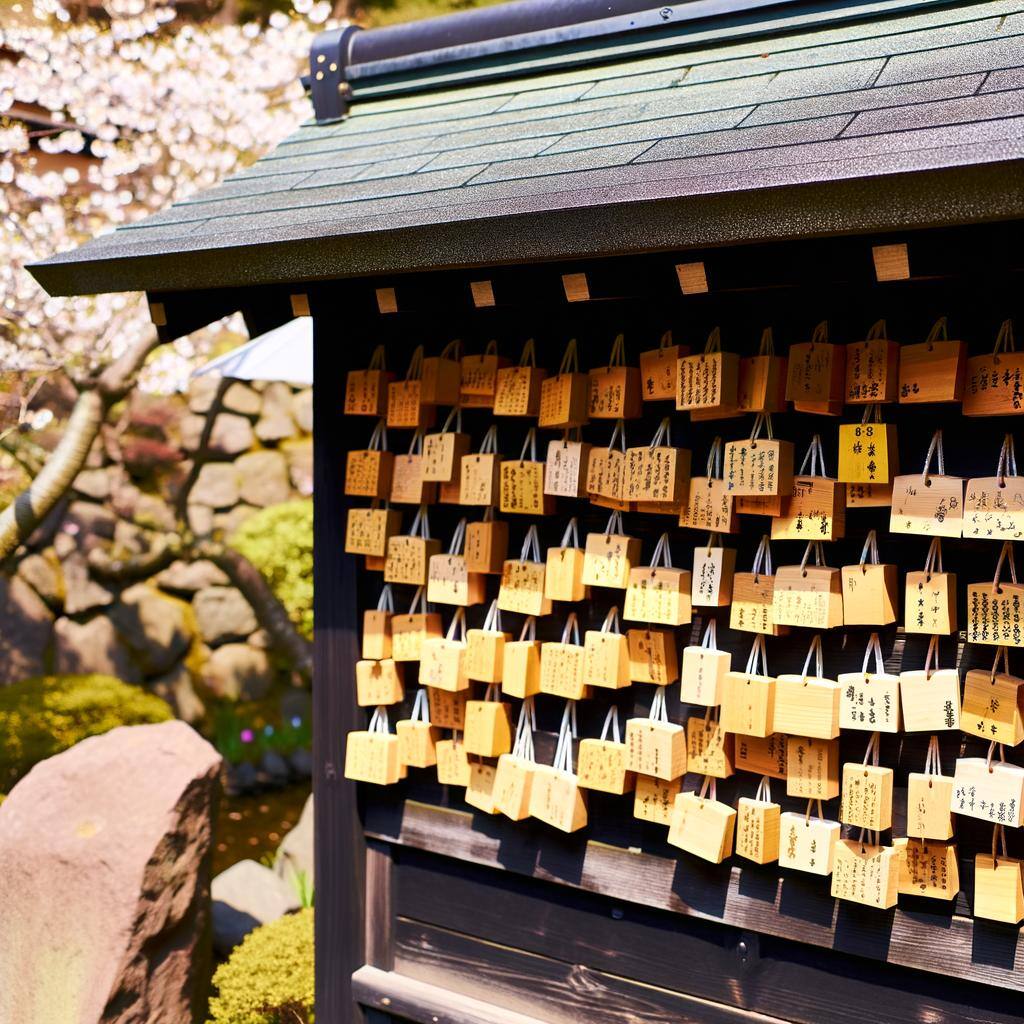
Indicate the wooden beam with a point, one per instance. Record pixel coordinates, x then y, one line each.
423 1003
790 907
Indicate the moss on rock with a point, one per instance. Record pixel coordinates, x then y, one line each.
279 542
269 978
41 717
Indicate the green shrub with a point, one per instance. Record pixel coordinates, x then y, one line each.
41 717
268 979
279 542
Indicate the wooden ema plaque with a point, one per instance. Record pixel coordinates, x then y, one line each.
931 700
991 792
488 731
452 763
872 369
556 799
520 671
522 588
486 546
517 388
868 453
366 391
869 594
928 801
485 654
407 484
443 453
869 701
711 578
608 558
614 390
480 791
513 783
746 505
417 743
929 603
564 401
995 614
866 797
993 706
480 479
368 473
656 748
602 766
406 406
652 656
606 656
443 664
807 706
869 495
703 673
761 386
376 642
708 381
809 596
994 508
659 595
367 530
760 467
655 798
522 489
998 893
866 873
408 559
658 370
812 768
563 578
561 664
449 581
929 506
928 869
758 830
748 704
378 682
410 632
702 826
709 748
807 844
479 376
817 375
442 376
753 599
995 383
372 757
657 474
933 371
816 510
447 708
566 468
709 506
763 755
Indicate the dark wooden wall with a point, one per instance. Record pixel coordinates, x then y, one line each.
556 924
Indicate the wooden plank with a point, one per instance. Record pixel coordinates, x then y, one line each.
701 958
341 859
552 990
379 906
426 1003
788 907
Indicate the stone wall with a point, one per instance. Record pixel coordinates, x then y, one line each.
184 631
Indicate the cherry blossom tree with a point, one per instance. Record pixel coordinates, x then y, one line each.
139 108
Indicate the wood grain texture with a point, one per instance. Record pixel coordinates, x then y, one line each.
779 906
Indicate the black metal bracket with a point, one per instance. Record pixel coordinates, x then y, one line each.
328 58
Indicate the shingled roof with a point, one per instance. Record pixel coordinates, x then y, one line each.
779 120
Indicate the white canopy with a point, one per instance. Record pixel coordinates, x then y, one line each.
285 353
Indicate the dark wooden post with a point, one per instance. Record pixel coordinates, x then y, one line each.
340 844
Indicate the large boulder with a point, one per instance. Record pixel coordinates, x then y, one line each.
176 688
43 574
232 434
238 672
93 483
84 648
245 896
242 399
25 633
294 861
222 614
105 880
299 454
154 626
263 478
302 409
81 592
